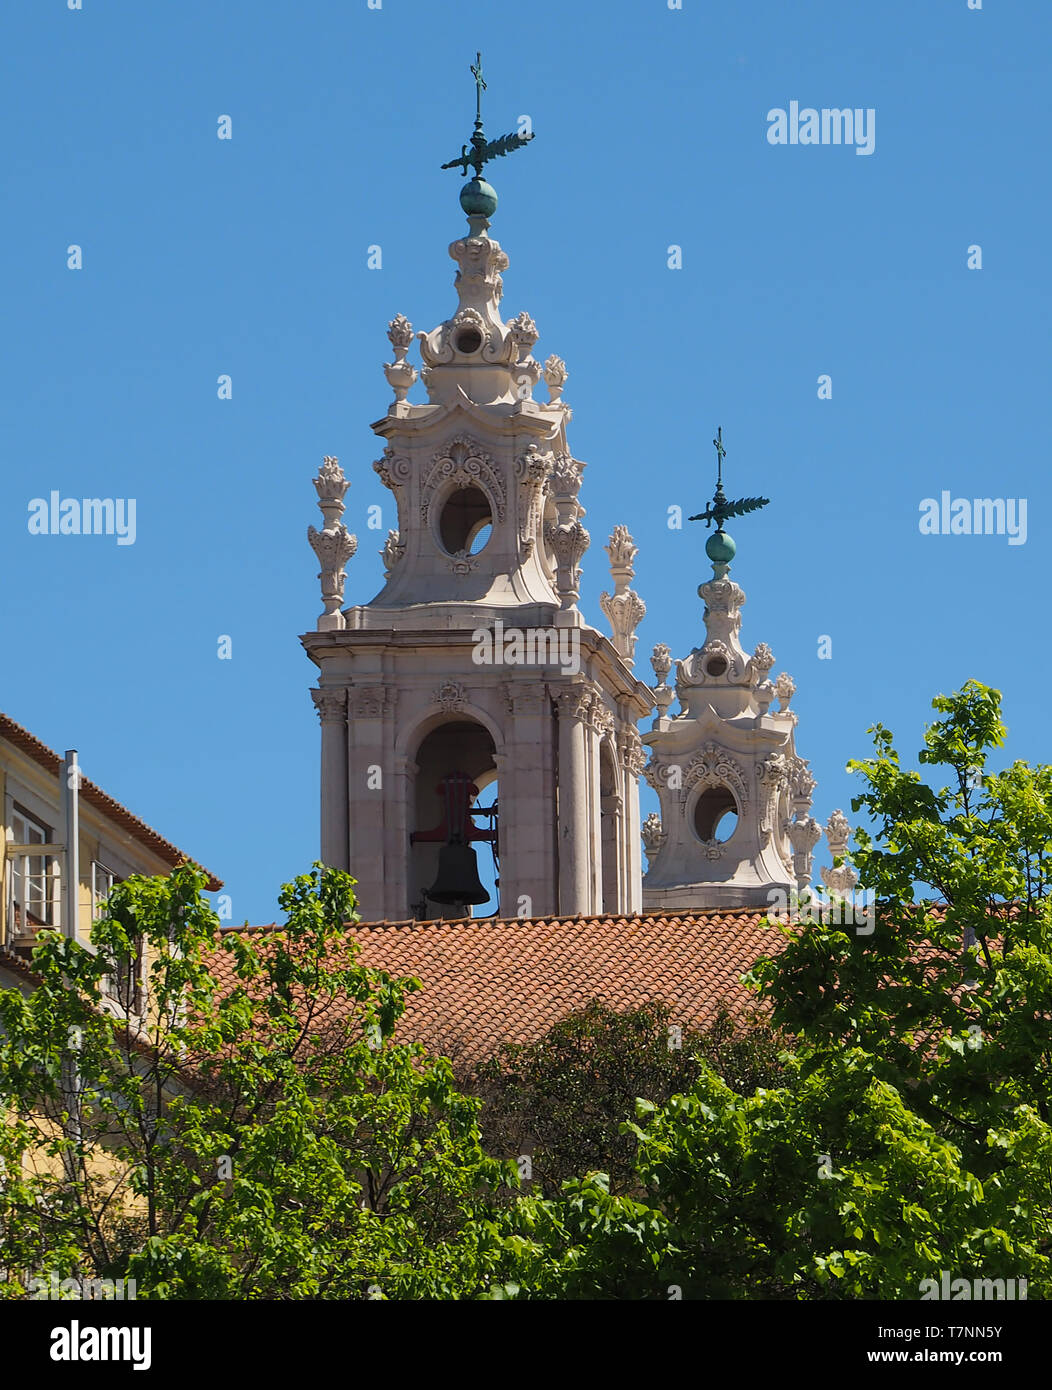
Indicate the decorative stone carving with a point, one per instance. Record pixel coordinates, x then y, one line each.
652 835
480 261
566 477
624 609
400 374
773 773
633 756
450 695
392 552
723 600
555 375
463 462
333 545
393 469
532 470
331 705
567 541
773 776
602 720
575 703
463 563
368 701
713 766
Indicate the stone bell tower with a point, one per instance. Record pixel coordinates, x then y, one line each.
473 665
734 795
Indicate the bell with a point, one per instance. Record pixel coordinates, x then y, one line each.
458 876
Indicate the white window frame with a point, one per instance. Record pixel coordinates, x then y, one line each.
21 902
103 881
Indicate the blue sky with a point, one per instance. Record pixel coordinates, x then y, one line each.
249 257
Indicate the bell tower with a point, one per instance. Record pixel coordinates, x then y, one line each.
735 796
473 669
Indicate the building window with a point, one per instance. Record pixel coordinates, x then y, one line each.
125 983
102 881
33 879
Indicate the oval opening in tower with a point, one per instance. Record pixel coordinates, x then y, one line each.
716 665
466 522
716 815
468 340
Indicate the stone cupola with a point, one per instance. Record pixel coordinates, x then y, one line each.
473 668
734 794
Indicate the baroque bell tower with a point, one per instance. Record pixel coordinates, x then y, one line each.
473 669
735 796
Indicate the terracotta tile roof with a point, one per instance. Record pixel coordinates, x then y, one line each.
48 759
487 981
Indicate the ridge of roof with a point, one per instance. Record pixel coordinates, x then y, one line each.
47 758
715 914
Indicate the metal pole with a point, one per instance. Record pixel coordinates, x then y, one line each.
71 877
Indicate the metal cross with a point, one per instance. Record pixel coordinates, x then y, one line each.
721 454
480 84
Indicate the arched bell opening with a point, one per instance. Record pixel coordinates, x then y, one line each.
455 763
465 521
609 830
715 815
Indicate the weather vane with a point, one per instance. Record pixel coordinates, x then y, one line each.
720 548
480 150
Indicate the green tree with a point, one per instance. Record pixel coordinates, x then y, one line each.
269 1140
912 1133
564 1099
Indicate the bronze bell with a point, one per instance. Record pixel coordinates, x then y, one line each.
458 876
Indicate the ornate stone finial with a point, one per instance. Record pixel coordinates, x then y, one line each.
838 832
842 879
333 544
804 834
624 608
566 537
526 370
568 540
720 548
661 660
400 374
802 785
477 197
524 333
652 835
762 660
555 375
785 689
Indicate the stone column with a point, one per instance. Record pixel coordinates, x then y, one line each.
575 842
373 788
527 852
632 762
332 711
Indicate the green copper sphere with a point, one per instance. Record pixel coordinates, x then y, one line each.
720 548
479 198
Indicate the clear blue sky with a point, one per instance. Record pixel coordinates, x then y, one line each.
248 257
